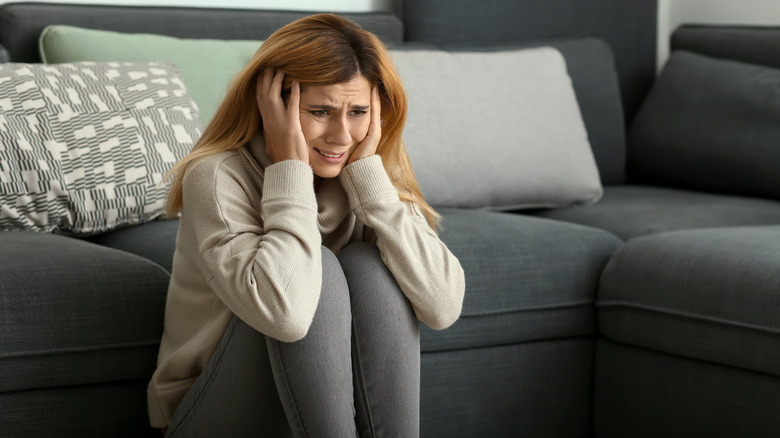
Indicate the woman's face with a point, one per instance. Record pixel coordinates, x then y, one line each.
334 120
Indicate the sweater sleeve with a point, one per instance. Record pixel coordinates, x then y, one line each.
264 265
427 272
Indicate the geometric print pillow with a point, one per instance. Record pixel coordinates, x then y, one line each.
84 146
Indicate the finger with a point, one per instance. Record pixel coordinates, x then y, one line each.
261 88
376 112
268 76
295 99
275 91
264 89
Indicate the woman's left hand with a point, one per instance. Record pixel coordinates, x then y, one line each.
368 146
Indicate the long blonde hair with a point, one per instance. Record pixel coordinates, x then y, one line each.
318 50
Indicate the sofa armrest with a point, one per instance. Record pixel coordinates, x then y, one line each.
73 312
753 44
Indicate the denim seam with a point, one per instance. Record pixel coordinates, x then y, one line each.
283 370
209 378
360 380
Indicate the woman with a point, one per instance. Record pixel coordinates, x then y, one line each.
302 161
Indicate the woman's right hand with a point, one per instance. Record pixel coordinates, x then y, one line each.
282 131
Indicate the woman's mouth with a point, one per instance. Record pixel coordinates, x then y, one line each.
331 157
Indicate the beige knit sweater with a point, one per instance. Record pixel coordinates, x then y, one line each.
249 244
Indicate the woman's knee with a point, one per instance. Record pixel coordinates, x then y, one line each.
361 257
334 295
367 276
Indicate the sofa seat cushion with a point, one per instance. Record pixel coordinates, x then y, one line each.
154 240
631 211
75 313
708 294
527 279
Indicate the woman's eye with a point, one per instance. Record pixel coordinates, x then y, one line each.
319 113
358 112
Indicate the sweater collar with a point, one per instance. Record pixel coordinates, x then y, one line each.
257 149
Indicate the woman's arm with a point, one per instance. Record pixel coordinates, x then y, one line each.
264 265
427 272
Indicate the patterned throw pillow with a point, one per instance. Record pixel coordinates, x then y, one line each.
84 146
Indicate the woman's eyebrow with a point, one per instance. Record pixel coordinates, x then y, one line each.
333 107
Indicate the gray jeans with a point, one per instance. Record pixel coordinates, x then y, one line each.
355 373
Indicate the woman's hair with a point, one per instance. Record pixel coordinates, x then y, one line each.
318 50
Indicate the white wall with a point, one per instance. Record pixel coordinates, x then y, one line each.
290 5
672 13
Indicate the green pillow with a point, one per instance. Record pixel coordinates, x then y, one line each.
206 65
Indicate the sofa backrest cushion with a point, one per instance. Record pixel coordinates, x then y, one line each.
206 65
22 23
753 44
496 130
710 124
84 147
629 27
591 66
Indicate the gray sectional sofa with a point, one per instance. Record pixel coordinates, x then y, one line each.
652 311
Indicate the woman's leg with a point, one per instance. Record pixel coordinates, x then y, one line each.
254 385
314 375
386 347
235 395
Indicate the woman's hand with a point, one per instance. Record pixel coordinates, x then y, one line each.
284 138
368 146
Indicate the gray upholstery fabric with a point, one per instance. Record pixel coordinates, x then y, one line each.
115 410
628 27
538 389
155 241
710 294
643 394
591 66
753 44
533 151
527 279
631 211
20 25
76 313
592 70
710 124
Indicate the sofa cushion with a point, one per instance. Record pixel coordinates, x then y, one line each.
708 294
75 313
631 211
527 279
206 65
710 124
749 43
155 241
591 66
21 23
86 145
496 130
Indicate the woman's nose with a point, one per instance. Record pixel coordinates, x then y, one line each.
338 131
